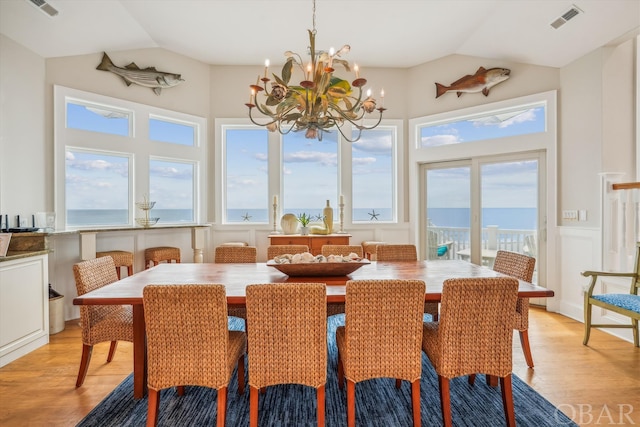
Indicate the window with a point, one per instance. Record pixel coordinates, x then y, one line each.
166 130
97 186
98 118
255 165
171 186
484 126
246 178
309 173
111 153
373 176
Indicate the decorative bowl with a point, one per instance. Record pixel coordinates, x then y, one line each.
145 206
147 222
316 269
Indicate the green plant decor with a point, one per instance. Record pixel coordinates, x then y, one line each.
304 219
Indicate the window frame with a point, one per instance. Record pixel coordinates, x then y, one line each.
138 145
344 178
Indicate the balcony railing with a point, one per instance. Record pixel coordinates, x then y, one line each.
493 238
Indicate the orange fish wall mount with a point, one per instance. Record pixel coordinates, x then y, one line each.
482 81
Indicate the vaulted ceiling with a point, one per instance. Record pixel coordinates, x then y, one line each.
382 33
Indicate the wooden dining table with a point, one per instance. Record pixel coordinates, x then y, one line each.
236 277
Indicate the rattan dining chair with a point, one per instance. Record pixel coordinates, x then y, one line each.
405 253
343 250
235 254
276 250
382 337
189 343
521 267
100 323
474 335
287 339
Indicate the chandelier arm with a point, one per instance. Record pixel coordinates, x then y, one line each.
260 124
277 116
342 114
346 137
362 127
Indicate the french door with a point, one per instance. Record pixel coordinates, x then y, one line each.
471 208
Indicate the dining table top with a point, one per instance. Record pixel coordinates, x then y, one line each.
236 277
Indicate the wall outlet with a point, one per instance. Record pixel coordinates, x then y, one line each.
582 215
570 214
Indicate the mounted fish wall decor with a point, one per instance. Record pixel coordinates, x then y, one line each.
481 81
148 77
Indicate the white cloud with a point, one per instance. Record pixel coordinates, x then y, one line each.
327 159
437 140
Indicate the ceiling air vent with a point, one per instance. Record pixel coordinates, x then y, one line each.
559 22
44 7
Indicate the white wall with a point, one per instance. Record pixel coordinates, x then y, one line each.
597 134
25 163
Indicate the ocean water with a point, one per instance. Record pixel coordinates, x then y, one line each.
87 217
505 218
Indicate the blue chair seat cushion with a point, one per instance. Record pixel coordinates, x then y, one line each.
442 250
627 301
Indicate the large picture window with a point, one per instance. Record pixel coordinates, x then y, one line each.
257 168
171 186
483 126
309 173
111 153
246 179
373 175
97 188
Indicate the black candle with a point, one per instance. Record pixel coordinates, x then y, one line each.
33 220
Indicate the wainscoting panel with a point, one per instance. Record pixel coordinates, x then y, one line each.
580 249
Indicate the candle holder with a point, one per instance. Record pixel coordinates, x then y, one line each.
341 205
275 218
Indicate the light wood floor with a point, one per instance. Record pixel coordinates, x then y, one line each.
39 388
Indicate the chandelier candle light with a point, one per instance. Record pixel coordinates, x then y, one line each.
318 103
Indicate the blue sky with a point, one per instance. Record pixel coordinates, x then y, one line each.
94 181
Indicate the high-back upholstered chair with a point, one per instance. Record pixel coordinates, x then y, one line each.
405 253
474 335
343 250
521 267
287 339
159 254
276 250
100 323
382 337
188 343
627 304
233 254
120 259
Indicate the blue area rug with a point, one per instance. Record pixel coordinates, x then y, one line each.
378 402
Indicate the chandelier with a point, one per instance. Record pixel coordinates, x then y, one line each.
318 103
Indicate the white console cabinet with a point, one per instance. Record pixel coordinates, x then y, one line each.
24 306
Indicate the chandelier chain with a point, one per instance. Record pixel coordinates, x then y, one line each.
314 16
